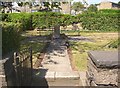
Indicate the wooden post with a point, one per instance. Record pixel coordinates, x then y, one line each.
56 31
16 62
31 62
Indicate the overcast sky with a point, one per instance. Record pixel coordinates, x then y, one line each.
97 1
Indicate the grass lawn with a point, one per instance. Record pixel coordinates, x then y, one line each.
37 33
101 41
37 46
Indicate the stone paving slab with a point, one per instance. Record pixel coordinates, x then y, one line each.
57 63
68 75
57 79
57 75
63 83
57 70
83 77
104 58
49 76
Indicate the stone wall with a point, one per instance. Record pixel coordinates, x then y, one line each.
2 74
6 71
102 75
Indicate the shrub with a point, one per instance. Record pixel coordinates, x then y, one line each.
4 16
10 37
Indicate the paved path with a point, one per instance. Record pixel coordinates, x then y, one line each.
56 58
56 69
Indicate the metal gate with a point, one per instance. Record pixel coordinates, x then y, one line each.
23 67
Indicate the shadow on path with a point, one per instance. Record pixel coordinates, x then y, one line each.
39 78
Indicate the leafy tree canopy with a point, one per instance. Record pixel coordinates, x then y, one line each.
77 6
119 3
92 8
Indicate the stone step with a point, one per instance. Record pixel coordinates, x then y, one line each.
52 75
56 78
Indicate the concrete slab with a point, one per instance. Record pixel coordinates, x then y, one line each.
40 74
67 75
50 75
104 58
57 70
83 78
63 83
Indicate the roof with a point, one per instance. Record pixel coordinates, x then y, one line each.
104 58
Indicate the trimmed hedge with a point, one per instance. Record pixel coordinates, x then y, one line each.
39 19
14 23
10 37
111 11
45 19
104 20
23 18
50 19
100 21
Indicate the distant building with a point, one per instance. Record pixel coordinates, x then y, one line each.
108 5
66 8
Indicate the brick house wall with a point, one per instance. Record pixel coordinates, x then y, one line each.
108 5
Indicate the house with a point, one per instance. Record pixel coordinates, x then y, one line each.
108 5
65 7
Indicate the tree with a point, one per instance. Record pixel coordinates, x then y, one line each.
4 5
25 4
77 6
92 8
50 6
56 5
119 3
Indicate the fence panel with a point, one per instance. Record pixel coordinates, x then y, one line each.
23 67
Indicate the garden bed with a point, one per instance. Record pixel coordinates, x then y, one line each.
40 57
71 59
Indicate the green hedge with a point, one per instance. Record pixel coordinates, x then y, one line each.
45 19
103 20
39 19
23 18
111 11
49 19
14 23
10 37
100 21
